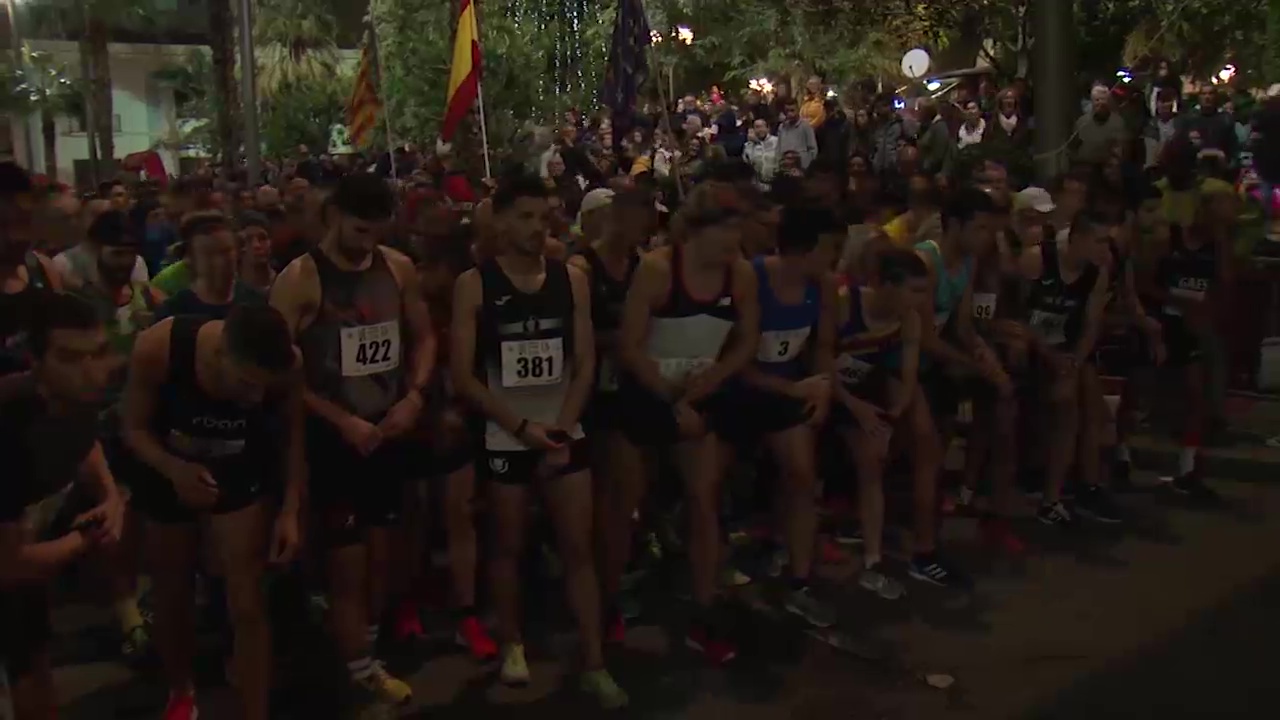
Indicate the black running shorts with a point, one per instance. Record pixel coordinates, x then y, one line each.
518 467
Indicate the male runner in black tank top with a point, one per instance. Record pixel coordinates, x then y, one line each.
203 399
358 316
54 469
24 275
1067 296
523 353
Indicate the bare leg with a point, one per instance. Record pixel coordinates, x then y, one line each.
509 510
569 502
794 449
172 552
239 538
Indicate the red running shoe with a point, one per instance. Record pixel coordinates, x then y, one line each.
714 649
615 630
408 624
997 534
473 636
181 706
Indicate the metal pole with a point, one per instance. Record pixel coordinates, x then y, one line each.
15 36
484 130
249 95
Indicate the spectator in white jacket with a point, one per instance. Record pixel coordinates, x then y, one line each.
761 153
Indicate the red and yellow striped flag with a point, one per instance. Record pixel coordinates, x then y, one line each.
364 108
464 73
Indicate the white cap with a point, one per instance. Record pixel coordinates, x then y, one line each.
594 200
1037 199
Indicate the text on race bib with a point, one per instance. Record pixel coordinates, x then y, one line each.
370 349
608 375
1052 327
852 370
778 346
984 306
677 369
527 363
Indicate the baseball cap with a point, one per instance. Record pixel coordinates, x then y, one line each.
594 200
1034 198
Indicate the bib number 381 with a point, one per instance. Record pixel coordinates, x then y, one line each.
370 349
527 363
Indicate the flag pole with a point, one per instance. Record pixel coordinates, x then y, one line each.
484 129
382 88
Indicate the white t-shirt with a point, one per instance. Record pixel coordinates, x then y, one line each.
78 267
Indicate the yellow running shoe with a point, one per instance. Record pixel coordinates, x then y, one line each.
385 688
515 671
600 685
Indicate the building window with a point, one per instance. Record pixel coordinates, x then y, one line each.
76 124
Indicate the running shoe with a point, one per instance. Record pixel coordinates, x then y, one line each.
1193 487
733 577
998 534
873 579
931 568
408 623
776 563
137 642
600 685
515 670
804 604
384 688
181 706
847 534
473 636
1056 515
713 647
1095 502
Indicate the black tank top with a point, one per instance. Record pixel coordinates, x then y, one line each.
607 294
223 436
686 332
354 350
859 349
1187 272
15 317
1056 308
524 345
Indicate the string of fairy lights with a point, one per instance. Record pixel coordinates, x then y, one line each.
563 21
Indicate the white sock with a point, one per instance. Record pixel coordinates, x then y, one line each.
1122 453
361 669
870 561
1186 460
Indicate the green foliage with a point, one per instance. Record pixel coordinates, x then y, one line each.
39 84
294 42
302 112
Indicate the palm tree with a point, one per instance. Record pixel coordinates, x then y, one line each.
222 41
40 85
294 42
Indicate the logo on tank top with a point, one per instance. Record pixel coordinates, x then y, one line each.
502 300
532 326
212 423
498 465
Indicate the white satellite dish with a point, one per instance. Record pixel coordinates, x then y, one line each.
915 63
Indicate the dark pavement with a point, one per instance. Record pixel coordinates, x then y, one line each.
1175 616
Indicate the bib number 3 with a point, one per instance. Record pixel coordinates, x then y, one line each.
532 362
370 349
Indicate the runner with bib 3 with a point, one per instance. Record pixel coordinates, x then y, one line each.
1066 300
367 344
523 354
786 393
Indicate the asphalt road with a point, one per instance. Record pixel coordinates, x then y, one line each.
1174 616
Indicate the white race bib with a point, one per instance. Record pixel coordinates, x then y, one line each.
527 363
1052 327
984 306
677 369
777 346
852 370
608 375
370 349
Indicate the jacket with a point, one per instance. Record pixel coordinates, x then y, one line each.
800 138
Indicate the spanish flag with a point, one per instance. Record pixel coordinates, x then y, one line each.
464 75
364 108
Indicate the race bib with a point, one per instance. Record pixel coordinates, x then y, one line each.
1052 327
777 346
984 306
370 349
527 363
608 375
677 369
852 370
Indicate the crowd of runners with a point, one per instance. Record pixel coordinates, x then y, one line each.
246 423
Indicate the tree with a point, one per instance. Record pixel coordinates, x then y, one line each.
40 85
295 41
222 44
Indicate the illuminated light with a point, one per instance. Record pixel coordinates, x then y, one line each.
933 86
655 37
684 34
831 94
761 85
1225 74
